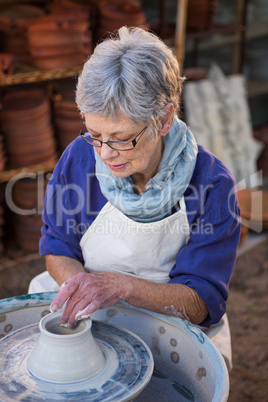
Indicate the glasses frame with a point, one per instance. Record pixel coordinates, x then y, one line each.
134 142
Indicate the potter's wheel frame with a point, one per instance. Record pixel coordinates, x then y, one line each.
131 371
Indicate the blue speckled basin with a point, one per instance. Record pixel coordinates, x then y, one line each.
188 367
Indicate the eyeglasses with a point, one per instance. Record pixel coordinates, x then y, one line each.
117 145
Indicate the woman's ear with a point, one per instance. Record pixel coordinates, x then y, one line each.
167 119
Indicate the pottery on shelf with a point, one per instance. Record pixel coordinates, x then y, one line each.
64 355
26 122
13 24
113 15
60 39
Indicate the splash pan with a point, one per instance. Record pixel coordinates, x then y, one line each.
187 366
127 370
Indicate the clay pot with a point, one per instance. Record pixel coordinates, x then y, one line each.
27 125
28 194
67 118
65 21
113 15
60 62
13 22
112 10
60 40
58 6
254 216
50 38
53 50
28 160
6 64
25 105
64 355
200 14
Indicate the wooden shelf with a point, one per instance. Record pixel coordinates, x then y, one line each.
25 74
8 175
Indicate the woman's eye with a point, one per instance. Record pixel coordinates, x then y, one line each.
125 139
94 136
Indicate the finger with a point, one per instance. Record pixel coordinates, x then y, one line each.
85 313
62 297
71 308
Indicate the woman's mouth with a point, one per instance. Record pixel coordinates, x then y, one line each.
116 167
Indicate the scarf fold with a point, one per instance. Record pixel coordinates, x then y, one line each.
164 190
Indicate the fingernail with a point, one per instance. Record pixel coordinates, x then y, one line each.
53 308
63 284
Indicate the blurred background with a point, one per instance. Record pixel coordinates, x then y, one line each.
222 48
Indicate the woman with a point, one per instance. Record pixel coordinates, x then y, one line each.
135 210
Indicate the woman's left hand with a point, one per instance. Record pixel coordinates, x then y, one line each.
85 293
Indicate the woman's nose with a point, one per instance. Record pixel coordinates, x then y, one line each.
107 153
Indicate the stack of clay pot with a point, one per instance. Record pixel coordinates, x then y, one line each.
28 196
67 118
115 14
60 40
26 122
58 6
200 14
13 26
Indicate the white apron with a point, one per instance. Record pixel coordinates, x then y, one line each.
115 243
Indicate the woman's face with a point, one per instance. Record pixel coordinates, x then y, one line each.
141 163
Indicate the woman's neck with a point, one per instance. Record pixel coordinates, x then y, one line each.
141 179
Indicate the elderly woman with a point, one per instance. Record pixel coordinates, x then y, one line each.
135 209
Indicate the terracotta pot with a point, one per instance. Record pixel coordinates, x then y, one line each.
15 18
114 15
17 102
112 10
69 20
13 22
28 160
40 146
69 125
252 213
200 14
63 5
50 38
26 194
60 50
22 139
6 64
28 132
62 61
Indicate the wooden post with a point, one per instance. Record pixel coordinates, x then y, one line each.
180 34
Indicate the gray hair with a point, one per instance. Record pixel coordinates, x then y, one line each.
133 72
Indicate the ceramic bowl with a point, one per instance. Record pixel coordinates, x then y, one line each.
64 355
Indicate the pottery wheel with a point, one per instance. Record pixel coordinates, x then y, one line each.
128 368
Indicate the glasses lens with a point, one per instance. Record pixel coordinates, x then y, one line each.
91 141
121 146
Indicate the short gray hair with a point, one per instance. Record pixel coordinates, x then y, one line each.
133 72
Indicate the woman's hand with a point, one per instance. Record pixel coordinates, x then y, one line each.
85 293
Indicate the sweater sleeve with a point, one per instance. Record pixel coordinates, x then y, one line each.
72 201
207 261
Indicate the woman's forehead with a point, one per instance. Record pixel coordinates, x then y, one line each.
103 124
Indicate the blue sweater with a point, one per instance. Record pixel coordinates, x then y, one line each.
73 200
